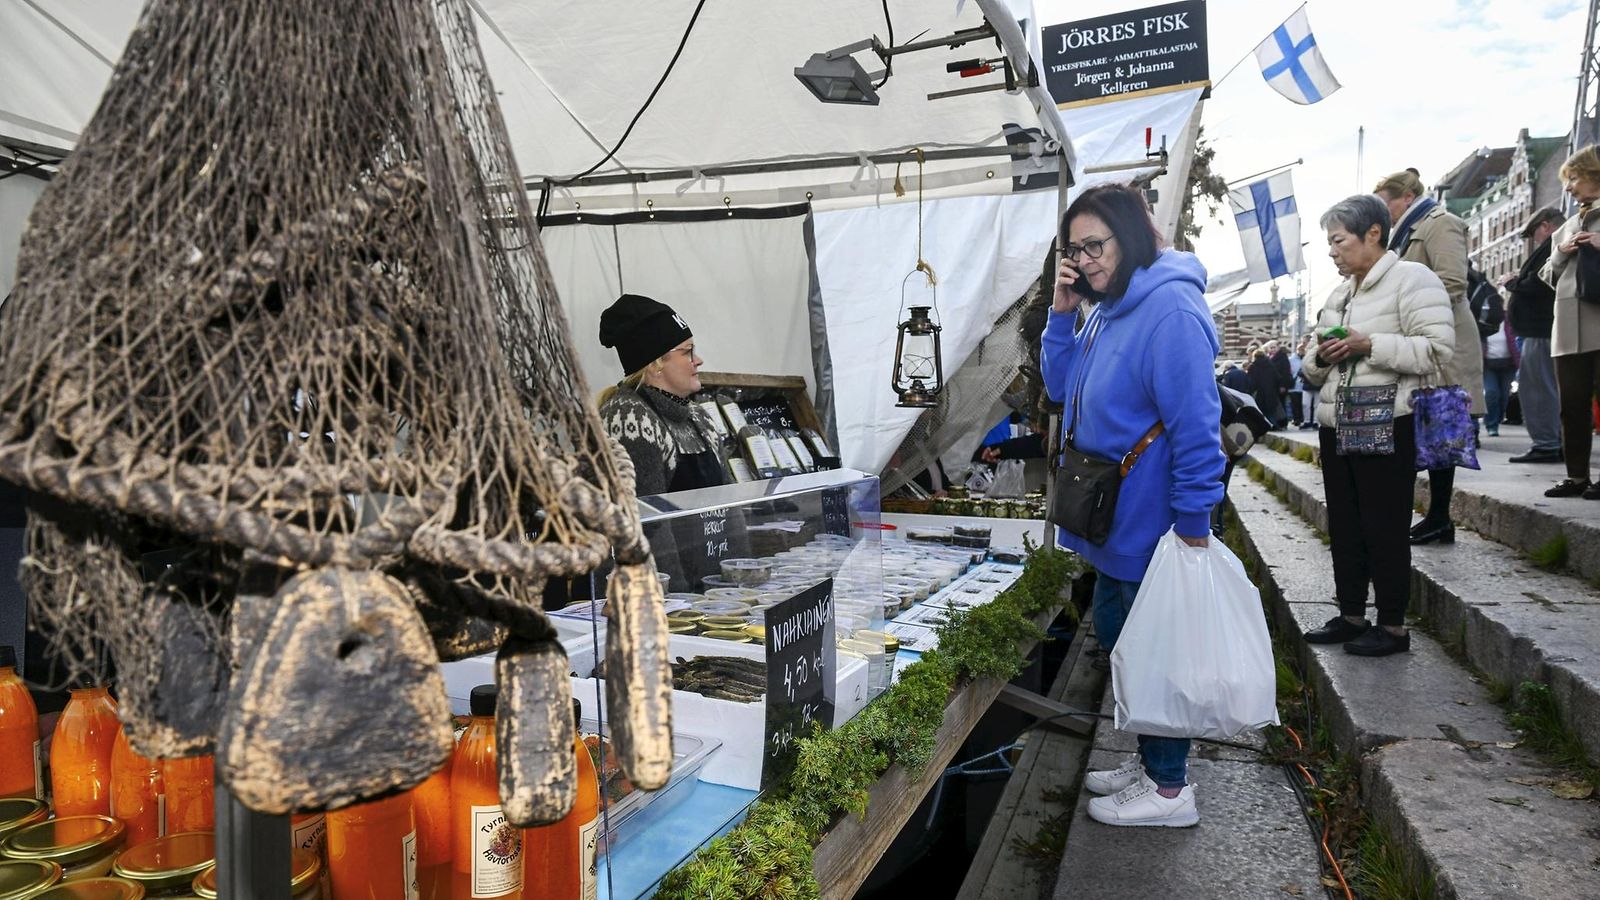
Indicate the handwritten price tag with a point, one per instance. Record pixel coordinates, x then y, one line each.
800 665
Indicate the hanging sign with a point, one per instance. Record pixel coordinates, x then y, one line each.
800 675
1142 51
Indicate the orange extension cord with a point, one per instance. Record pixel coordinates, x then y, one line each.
1312 781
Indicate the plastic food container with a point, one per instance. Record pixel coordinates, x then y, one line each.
83 846
746 572
715 581
632 809
747 596
918 587
167 863
27 877
723 607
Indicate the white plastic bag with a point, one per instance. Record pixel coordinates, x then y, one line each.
1194 658
1009 480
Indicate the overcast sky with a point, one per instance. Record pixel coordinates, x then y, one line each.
1431 80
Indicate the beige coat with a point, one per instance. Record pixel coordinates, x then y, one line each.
1439 242
1577 326
1404 309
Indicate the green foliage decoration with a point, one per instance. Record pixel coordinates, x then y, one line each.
769 855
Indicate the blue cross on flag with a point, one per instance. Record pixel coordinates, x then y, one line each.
1292 64
1269 227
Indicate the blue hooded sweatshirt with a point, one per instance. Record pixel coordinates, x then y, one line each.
1151 359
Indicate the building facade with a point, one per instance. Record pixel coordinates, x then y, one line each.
1497 214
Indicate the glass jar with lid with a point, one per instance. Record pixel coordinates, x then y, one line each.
305 873
23 879
168 865
104 888
15 812
83 846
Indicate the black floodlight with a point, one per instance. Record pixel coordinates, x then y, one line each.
835 76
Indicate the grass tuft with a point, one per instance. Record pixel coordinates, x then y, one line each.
1540 721
1304 453
1552 554
1384 873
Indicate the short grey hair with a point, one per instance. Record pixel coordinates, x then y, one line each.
1357 214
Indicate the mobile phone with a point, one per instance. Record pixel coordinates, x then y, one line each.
1082 289
1336 333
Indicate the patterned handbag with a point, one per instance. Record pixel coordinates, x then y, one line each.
1446 434
1364 419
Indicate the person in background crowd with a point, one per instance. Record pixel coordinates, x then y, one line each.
1235 377
1297 409
1530 308
1575 335
1401 329
1500 361
1264 387
1140 358
1285 372
672 445
1308 393
1423 232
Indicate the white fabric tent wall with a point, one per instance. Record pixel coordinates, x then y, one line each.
17 196
741 284
986 251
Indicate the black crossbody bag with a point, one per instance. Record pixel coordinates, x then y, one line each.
1083 497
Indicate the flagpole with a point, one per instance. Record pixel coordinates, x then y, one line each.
1272 171
1361 157
1251 52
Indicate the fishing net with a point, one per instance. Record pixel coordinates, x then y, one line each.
287 298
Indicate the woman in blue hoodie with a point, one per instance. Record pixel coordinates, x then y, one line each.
1143 356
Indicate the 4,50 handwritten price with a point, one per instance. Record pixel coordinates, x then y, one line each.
783 737
800 671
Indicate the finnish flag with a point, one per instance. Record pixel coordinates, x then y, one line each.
1269 227
1292 64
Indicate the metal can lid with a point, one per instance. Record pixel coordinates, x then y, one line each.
24 877
737 637
305 867
94 889
66 840
16 812
168 862
205 884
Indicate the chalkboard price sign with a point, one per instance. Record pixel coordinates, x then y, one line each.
800 675
768 413
836 510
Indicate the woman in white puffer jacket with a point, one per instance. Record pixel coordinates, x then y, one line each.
1401 330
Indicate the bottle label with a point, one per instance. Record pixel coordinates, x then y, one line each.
408 851
735 415
741 470
799 447
786 458
818 444
715 417
496 853
161 814
589 861
38 773
309 833
760 453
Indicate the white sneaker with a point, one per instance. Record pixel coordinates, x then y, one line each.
1139 804
1110 781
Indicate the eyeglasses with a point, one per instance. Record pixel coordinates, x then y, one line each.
1092 249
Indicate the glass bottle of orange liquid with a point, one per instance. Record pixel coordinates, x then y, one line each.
80 753
488 849
431 804
138 793
21 769
560 857
191 793
372 850
309 832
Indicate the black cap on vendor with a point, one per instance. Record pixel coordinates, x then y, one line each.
642 330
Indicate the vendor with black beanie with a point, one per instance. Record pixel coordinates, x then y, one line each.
672 446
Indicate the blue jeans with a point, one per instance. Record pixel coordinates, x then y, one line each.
1496 392
1166 759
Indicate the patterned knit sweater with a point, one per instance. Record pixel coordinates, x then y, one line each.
655 427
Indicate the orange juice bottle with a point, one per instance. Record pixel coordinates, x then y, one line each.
431 804
138 793
487 861
560 857
372 850
80 753
21 769
191 793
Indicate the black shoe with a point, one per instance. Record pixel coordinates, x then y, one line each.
1592 492
1538 456
1337 630
1379 641
1568 487
1444 534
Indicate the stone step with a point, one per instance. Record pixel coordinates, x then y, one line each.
1503 501
1440 769
1252 841
1510 620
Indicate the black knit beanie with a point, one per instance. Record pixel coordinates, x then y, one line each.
642 330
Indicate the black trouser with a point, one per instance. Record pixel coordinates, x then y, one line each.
1577 379
1296 401
1369 514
